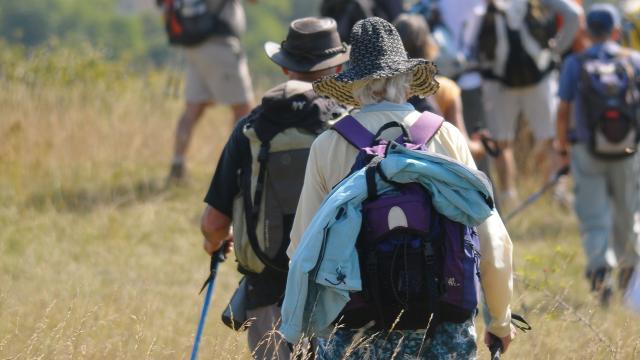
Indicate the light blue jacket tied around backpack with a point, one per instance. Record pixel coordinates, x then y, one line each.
324 268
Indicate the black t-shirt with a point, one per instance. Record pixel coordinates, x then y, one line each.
225 185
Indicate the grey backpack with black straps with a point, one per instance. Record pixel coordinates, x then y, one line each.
286 124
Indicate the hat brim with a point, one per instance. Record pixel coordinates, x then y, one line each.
277 55
340 86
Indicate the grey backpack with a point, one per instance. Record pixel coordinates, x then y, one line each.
286 124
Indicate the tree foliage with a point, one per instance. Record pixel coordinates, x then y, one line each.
136 37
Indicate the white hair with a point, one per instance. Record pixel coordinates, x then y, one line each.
394 89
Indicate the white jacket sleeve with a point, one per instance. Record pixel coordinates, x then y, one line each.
570 12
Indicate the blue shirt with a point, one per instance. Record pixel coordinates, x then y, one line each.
314 295
570 78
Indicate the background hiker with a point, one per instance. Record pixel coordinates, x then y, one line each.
379 81
448 22
259 176
208 31
416 37
516 45
598 134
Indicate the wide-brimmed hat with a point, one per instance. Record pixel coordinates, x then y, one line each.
376 53
312 44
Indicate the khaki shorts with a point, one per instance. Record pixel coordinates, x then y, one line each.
536 103
217 72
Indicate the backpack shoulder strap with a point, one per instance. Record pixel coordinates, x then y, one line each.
356 134
425 128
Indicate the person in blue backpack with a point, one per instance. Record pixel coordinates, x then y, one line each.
380 245
597 127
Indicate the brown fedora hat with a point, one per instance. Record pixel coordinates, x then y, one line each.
312 44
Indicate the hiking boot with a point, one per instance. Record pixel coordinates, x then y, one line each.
601 284
624 277
176 174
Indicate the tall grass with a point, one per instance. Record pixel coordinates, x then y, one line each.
99 261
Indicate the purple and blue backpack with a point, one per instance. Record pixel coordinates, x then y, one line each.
418 268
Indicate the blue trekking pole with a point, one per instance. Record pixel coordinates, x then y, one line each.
536 195
210 283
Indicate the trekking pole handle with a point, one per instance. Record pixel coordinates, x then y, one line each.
217 257
495 347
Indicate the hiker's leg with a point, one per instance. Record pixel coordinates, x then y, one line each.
623 183
184 130
501 107
506 168
197 97
538 107
186 123
592 207
264 341
450 341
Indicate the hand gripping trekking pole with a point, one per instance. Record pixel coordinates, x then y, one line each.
216 259
495 343
536 195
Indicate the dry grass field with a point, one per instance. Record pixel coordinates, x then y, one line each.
99 261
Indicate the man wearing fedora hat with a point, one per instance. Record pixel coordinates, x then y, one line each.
312 49
379 81
290 113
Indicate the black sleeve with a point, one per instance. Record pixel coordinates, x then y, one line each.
235 158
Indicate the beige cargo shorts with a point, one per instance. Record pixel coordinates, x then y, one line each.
217 71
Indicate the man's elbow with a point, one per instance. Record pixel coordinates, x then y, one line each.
214 224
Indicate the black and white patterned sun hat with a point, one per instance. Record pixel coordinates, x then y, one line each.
377 52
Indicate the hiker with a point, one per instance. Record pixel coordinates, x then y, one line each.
208 33
448 21
259 176
597 127
324 267
516 47
418 42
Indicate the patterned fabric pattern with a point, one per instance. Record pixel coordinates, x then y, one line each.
449 341
377 52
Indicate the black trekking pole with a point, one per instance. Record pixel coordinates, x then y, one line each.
536 195
495 347
216 259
